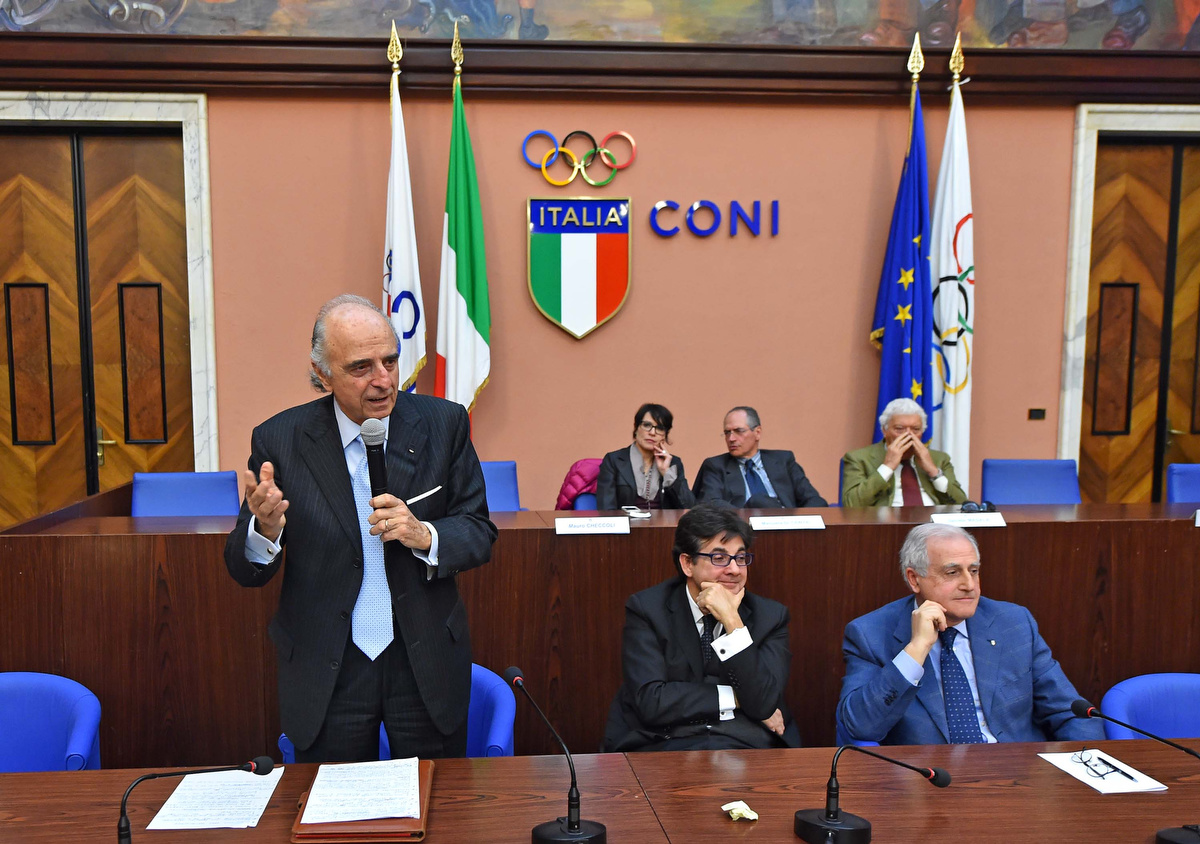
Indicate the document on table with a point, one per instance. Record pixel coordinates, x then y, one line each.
1113 782
220 800
361 791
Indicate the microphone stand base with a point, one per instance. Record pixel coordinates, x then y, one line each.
813 827
556 831
1178 835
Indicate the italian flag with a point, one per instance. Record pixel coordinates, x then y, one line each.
579 280
464 358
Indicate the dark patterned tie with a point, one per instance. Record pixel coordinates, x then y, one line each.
910 486
956 693
706 638
753 481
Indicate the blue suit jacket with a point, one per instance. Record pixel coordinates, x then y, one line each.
1024 693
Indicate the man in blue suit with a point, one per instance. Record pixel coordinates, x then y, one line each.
948 666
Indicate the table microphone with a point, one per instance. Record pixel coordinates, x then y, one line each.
373 433
831 824
261 765
570 828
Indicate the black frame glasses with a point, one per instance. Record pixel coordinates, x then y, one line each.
650 427
721 559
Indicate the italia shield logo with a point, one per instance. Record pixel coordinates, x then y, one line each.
579 257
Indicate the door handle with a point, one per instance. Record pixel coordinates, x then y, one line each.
101 443
1178 433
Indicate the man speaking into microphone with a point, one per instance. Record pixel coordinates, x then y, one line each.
370 627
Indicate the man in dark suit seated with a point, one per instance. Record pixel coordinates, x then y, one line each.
752 477
705 661
369 627
899 470
945 665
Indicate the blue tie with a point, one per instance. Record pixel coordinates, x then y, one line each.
371 624
956 693
753 481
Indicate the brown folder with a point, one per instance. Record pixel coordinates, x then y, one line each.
377 829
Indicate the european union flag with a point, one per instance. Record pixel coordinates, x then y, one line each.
903 325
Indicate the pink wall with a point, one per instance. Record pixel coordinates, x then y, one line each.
298 190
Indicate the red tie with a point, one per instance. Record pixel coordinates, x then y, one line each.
910 486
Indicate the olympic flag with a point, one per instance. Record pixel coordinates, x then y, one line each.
953 254
464 357
903 323
401 275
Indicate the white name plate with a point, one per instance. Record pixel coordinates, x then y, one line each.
591 525
966 520
787 523
1198 518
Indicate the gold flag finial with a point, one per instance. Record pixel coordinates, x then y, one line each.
916 59
456 51
394 51
957 62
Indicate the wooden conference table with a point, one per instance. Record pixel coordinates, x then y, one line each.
1000 793
142 611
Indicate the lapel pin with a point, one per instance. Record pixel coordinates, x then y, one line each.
992 642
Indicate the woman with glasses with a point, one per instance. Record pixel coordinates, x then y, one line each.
645 474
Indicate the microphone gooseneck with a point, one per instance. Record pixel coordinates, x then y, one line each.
1082 709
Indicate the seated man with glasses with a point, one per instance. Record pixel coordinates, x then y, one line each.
752 477
705 662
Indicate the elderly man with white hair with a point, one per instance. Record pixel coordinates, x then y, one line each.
899 471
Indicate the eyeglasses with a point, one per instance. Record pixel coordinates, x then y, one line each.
1096 766
651 428
741 432
721 560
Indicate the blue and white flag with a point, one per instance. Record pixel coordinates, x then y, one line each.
401 276
903 324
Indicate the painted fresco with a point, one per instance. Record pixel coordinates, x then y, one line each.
1075 24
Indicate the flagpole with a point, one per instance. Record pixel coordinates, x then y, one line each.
957 61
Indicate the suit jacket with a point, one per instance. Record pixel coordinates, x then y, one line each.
863 487
666 693
428 445
1024 693
617 487
720 479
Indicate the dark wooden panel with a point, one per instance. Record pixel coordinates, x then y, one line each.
30 367
142 362
31 623
635 70
1116 334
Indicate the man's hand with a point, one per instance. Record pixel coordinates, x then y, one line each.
923 458
393 520
662 460
897 449
928 620
775 723
266 501
722 604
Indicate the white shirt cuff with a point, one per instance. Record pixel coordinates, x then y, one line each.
730 645
941 483
909 667
726 702
430 557
259 549
885 472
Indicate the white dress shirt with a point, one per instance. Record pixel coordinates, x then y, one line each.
941 483
724 646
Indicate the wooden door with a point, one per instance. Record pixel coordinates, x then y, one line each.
1182 385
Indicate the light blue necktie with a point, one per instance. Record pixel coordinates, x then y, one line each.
371 624
956 693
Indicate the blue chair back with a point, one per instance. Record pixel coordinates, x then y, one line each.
1183 483
47 723
490 718
840 483
185 494
585 501
1165 704
1030 482
500 478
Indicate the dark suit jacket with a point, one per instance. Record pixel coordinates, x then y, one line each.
428 445
617 487
720 479
863 487
666 693
1024 693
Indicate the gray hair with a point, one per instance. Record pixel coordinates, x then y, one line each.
902 407
751 415
914 553
319 354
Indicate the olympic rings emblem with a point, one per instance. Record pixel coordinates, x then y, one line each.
579 164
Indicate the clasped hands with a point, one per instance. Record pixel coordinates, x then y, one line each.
899 448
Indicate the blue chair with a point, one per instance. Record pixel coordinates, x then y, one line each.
500 478
490 717
1165 704
47 723
1183 483
1030 482
585 501
185 494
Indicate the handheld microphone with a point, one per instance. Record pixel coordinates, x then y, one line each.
570 828
1082 709
261 765
831 824
372 433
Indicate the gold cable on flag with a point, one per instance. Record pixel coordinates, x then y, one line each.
394 50
957 62
916 63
